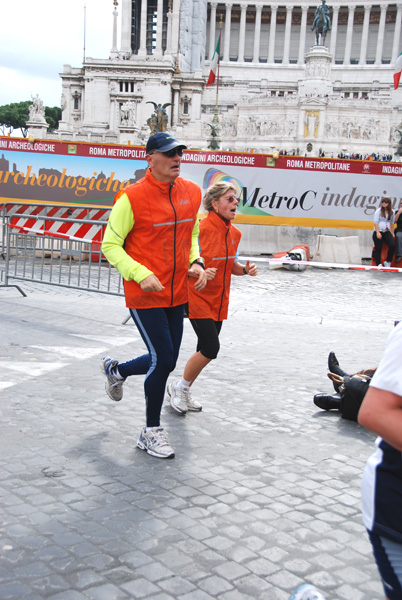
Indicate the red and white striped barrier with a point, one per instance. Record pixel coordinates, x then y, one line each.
56 234
42 220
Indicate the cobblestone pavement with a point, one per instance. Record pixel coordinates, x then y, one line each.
264 492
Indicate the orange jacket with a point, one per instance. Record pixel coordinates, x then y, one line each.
218 243
164 218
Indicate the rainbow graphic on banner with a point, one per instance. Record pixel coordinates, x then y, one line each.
215 176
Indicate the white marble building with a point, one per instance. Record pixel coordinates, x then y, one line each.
277 90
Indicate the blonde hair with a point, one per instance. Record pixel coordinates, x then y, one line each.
215 192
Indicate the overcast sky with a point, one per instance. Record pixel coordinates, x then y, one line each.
38 38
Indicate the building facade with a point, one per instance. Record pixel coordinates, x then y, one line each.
277 89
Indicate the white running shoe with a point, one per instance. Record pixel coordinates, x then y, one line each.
306 592
193 404
113 386
177 397
155 443
387 264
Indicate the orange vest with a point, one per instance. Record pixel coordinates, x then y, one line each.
218 243
164 218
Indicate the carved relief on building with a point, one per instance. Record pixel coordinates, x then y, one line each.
262 127
128 115
350 128
317 68
229 127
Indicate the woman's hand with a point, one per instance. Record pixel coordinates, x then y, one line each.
379 236
210 273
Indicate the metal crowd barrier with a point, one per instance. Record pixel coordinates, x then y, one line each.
43 247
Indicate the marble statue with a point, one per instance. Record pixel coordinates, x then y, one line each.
37 110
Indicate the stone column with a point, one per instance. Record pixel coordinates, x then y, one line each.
176 27
242 34
380 38
139 110
169 33
212 28
288 26
257 33
366 23
113 120
334 31
142 50
228 22
397 34
196 105
113 51
126 27
175 113
272 34
302 41
159 22
349 34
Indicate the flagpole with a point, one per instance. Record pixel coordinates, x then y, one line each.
219 64
216 116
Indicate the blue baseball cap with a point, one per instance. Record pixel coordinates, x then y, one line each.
162 142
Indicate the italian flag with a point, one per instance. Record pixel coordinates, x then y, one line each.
214 63
398 70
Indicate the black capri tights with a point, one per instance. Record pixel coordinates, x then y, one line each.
207 332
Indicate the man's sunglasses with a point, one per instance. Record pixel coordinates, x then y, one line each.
171 153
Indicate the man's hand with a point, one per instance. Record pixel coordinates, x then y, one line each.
198 272
251 269
151 284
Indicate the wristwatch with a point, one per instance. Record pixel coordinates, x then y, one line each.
198 261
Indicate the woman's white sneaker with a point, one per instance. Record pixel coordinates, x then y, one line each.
180 399
177 398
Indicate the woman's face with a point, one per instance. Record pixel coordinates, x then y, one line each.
226 205
385 204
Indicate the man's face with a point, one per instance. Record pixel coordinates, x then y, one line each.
163 167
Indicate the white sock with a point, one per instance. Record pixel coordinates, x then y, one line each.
116 373
183 384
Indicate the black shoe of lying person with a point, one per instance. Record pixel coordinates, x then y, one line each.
333 365
328 401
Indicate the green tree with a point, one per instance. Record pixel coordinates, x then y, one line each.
15 116
53 116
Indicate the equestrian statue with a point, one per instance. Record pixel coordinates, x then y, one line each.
321 23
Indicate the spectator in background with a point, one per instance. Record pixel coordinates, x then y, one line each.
398 233
383 231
